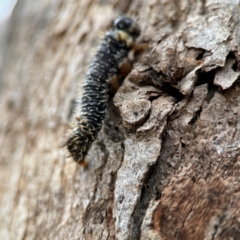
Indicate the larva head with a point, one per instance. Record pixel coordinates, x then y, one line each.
127 25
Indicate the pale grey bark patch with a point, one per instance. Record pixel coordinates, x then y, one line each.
226 76
134 113
187 84
139 156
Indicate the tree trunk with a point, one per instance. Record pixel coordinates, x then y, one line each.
166 163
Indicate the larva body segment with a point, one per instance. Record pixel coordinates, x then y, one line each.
111 52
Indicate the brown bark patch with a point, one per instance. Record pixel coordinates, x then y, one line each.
188 209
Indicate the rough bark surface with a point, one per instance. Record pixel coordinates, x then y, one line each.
166 164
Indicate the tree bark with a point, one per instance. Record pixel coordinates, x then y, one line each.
166 163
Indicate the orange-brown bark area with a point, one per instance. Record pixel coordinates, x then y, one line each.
166 162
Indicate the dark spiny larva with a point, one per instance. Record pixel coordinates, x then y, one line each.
110 54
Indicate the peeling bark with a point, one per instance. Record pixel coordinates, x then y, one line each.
166 162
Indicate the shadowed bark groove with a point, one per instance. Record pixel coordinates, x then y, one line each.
165 164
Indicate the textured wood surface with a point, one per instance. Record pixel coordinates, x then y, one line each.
166 163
